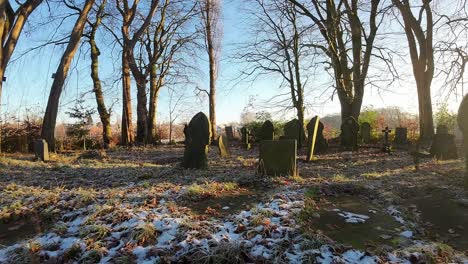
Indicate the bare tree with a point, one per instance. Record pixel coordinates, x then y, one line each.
278 48
210 11
104 113
419 33
347 31
50 116
11 26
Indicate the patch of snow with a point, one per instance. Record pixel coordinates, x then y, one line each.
353 218
407 234
391 210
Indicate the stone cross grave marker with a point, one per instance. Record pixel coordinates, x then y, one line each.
41 149
278 158
386 146
366 132
198 137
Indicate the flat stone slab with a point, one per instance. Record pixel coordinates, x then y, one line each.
278 158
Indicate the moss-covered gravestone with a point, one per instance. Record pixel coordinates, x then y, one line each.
366 132
278 158
316 142
245 138
41 149
223 146
443 145
349 134
197 139
463 125
294 130
267 131
401 136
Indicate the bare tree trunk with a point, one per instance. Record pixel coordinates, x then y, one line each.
213 69
155 87
50 117
142 112
127 126
102 110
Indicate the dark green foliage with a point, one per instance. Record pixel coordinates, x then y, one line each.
197 139
256 128
79 130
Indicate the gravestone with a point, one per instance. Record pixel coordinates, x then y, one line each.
198 137
245 138
267 131
278 158
294 130
463 125
41 149
401 135
223 146
366 132
443 145
386 145
229 132
316 142
349 133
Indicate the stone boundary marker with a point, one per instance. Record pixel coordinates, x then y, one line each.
278 158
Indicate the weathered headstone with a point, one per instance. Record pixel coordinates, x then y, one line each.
223 146
463 125
294 130
401 136
386 145
278 158
198 137
316 142
245 138
229 132
267 131
41 149
443 145
349 133
366 132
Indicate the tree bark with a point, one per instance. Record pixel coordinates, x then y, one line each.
127 137
142 112
50 117
104 114
155 87
212 66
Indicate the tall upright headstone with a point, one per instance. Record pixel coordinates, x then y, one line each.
278 158
401 135
198 137
245 138
223 146
463 125
443 145
267 131
41 149
386 145
294 130
349 133
366 132
316 142
229 132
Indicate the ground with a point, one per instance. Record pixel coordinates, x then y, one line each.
139 206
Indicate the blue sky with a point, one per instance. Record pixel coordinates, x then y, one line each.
29 80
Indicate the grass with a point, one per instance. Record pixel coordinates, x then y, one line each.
209 189
144 234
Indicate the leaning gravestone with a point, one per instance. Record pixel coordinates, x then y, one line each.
267 131
401 136
463 125
349 133
366 132
316 142
229 132
41 149
443 145
278 158
223 146
245 138
198 137
294 130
